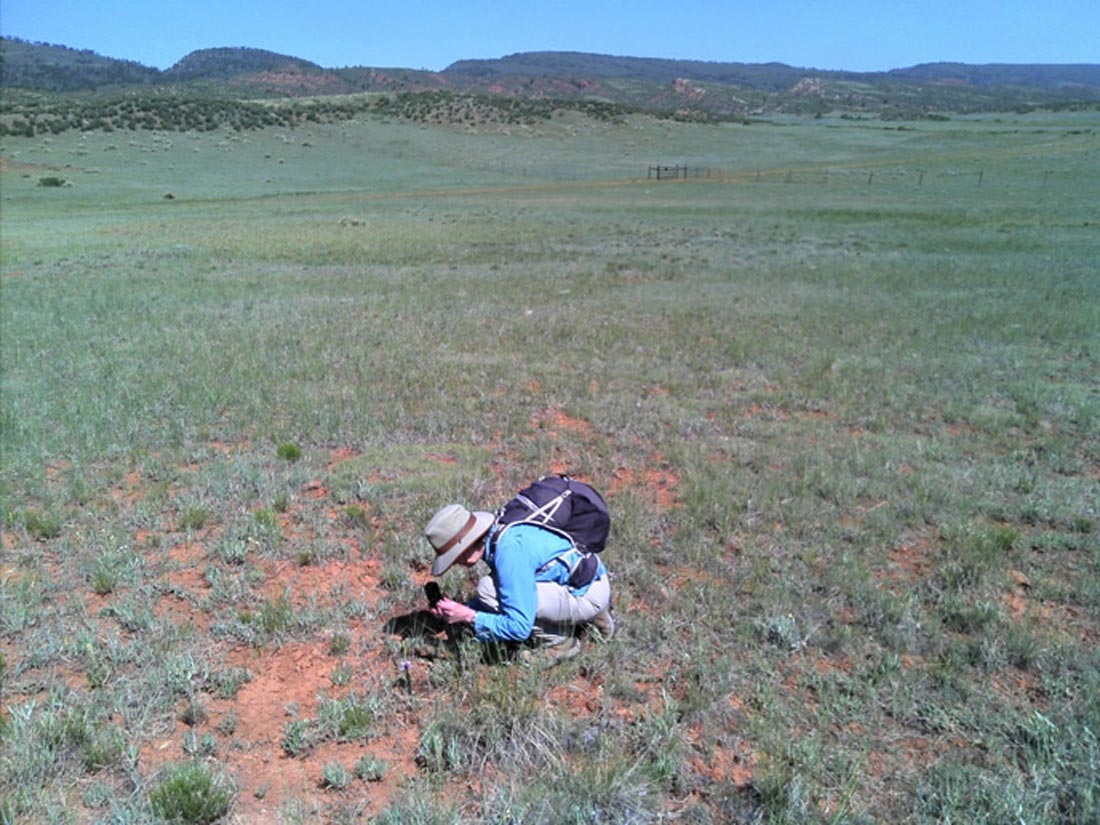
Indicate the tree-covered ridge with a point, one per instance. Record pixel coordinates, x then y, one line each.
762 76
773 76
51 68
1069 77
226 63
685 88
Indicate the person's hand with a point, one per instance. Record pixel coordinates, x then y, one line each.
453 612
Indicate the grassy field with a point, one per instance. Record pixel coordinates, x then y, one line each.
843 396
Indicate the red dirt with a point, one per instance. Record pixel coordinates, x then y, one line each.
657 485
555 421
286 685
909 563
288 682
735 764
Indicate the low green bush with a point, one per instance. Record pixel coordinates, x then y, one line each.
193 793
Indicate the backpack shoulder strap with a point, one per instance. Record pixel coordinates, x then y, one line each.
547 511
495 535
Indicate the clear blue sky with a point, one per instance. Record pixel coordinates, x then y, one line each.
863 35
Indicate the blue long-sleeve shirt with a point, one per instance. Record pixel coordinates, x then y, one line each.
522 556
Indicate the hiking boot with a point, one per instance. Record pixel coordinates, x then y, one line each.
551 635
546 656
559 653
604 623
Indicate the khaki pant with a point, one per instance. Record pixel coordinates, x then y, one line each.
559 608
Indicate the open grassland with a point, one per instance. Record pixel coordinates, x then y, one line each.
843 395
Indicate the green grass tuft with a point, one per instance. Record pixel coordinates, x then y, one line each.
192 792
290 452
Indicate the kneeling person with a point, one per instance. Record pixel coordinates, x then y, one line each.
527 594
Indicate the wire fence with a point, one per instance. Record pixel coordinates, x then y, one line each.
809 175
678 172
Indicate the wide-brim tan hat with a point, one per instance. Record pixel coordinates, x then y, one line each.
451 532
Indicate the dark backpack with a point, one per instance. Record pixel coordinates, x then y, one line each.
572 509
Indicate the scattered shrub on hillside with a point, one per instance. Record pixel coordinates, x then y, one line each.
182 114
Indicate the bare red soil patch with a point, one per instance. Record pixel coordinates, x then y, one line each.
908 563
286 685
655 484
736 764
556 421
